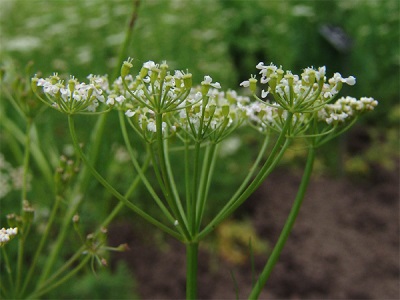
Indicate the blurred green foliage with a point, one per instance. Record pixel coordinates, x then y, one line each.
107 284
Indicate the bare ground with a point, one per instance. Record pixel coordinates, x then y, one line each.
345 245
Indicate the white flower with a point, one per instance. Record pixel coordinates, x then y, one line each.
350 80
120 99
245 83
264 94
149 65
110 100
129 113
260 66
208 81
151 126
321 73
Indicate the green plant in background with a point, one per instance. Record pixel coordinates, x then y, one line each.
44 217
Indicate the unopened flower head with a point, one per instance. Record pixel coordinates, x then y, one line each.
126 66
345 108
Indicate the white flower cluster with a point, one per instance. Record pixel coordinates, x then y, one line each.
73 96
202 112
302 96
157 99
296 93
345 108
6 234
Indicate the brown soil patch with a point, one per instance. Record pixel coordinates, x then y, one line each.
345 245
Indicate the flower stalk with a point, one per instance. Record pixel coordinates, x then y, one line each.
274 257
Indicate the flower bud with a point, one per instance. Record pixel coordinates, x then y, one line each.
272 82
279 73
126 66
253 84
187 80
164 70
34 82
154 74
122 247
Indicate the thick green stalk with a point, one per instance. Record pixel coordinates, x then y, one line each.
192 249
255 293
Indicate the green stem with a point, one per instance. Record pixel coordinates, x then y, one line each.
41 244
172 183
265 171
196 175
253 168
276 153
128 38
170 196
21 242
55 250
84 175
8 269
48 287
27 147
255 293
192 249
104 224
140 173
37 154
187 180
111 189
205 181
77 195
